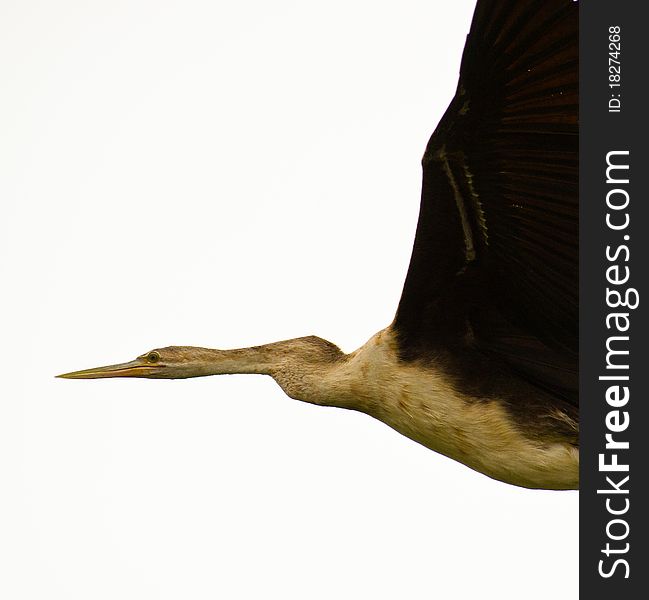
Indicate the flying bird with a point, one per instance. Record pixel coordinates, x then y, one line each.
480 361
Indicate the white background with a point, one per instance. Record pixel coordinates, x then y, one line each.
227 174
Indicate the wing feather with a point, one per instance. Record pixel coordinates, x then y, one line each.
497 237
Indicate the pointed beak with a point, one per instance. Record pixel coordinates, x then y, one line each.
134 368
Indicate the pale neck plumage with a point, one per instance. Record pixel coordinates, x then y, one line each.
304 368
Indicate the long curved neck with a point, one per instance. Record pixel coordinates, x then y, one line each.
303 367
255 360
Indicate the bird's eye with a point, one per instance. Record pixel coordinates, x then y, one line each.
153 357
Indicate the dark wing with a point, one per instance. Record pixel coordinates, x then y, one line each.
495 259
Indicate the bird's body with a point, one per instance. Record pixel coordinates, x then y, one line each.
480 362
423 401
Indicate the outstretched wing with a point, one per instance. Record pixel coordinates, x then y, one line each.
495 257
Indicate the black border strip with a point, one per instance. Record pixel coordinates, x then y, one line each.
614 533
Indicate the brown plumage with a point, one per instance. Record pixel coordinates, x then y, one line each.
480 362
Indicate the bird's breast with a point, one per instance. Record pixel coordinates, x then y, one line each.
422 403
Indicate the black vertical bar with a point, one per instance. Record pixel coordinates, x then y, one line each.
614 533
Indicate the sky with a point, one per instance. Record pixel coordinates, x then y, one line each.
227 174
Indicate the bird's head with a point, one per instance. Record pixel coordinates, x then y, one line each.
172 362
280 359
